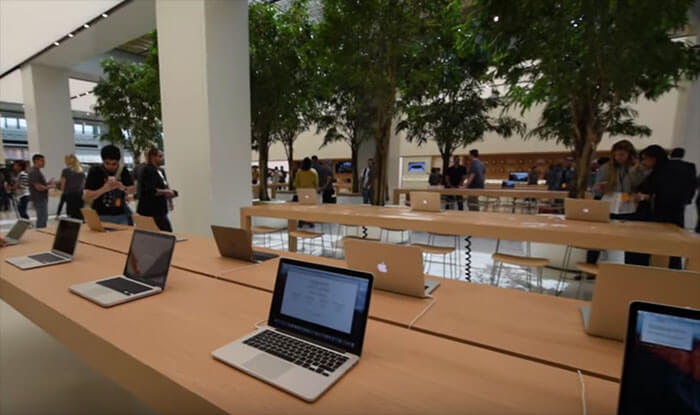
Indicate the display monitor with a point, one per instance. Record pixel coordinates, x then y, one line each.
416 167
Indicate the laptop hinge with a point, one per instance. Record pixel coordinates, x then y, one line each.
61 254
311 340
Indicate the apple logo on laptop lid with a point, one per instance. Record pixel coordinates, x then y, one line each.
381 267
425 202
585 210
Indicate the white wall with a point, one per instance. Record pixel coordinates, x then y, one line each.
26 27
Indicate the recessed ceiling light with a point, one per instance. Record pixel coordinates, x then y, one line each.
105 15
56 43
87 26
496 19
70 34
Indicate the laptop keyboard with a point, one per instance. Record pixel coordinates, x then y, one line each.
124 286
46 258
300 353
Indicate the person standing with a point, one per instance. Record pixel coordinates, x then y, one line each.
39 190
697 206
72 183
435 178
154 191
366 180
476 178
21 187
107 186
306 177
454 177
325 182
532 176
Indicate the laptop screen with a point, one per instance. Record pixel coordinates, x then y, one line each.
66 236
18 229
149 257
326 304
662 361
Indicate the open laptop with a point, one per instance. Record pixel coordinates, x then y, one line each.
307 196
617 285
145 271
315 330
660 370
147 223
396 268
64 243
15 234
236 243
94 222
587 210
425 201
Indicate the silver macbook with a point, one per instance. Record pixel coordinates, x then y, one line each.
315 330
145 271
16 232
236 243
396 268
64 244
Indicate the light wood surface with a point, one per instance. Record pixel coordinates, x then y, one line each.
517 193
160 347
539 327
646 237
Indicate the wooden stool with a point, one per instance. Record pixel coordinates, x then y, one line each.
522 261
267 232
452 251
587 268
310 236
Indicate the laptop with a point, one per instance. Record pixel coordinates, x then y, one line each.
617 285
660 373
64 243
147 223
145 272
236 243
15 234
396 268
315 330
425 201
94 222
307 196
587 210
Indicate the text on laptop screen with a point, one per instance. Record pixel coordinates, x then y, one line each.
17 230
326 305
662 366
149 258
66 236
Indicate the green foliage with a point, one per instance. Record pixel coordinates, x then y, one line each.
445 99
128 99
281 73
585 60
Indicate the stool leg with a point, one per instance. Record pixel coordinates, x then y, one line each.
540 271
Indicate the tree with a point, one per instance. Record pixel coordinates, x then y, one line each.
367 47
445 100
278 78
128 99
343 116
586 61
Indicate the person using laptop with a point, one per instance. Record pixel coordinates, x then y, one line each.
154 192
108 185
64 243
314 333
305 178
145 272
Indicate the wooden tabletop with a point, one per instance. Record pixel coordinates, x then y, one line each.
646 237
516 192
160 347
539 327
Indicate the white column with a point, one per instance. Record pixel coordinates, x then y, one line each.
48 113
205 94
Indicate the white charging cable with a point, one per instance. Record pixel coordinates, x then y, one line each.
410 325
583 392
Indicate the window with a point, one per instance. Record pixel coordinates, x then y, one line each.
78 128
11 123
22 123
89 130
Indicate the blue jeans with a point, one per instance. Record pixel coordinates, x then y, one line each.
367 196
22 207
116 219
42 211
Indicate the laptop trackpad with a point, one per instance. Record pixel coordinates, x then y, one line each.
267 366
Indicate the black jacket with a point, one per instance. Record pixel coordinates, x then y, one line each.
671 188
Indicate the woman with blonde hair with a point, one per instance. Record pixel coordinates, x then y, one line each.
619 178
72 184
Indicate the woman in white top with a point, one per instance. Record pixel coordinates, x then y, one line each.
619 178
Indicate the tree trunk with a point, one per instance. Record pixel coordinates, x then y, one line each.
380 185
263 155
445 165
584 149
290 161
355 175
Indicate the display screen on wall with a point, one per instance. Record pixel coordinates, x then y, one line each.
343 167
518 176
416 167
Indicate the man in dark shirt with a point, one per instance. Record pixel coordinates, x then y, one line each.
39 190
108 185
325 181
154 191
476 178
454 176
